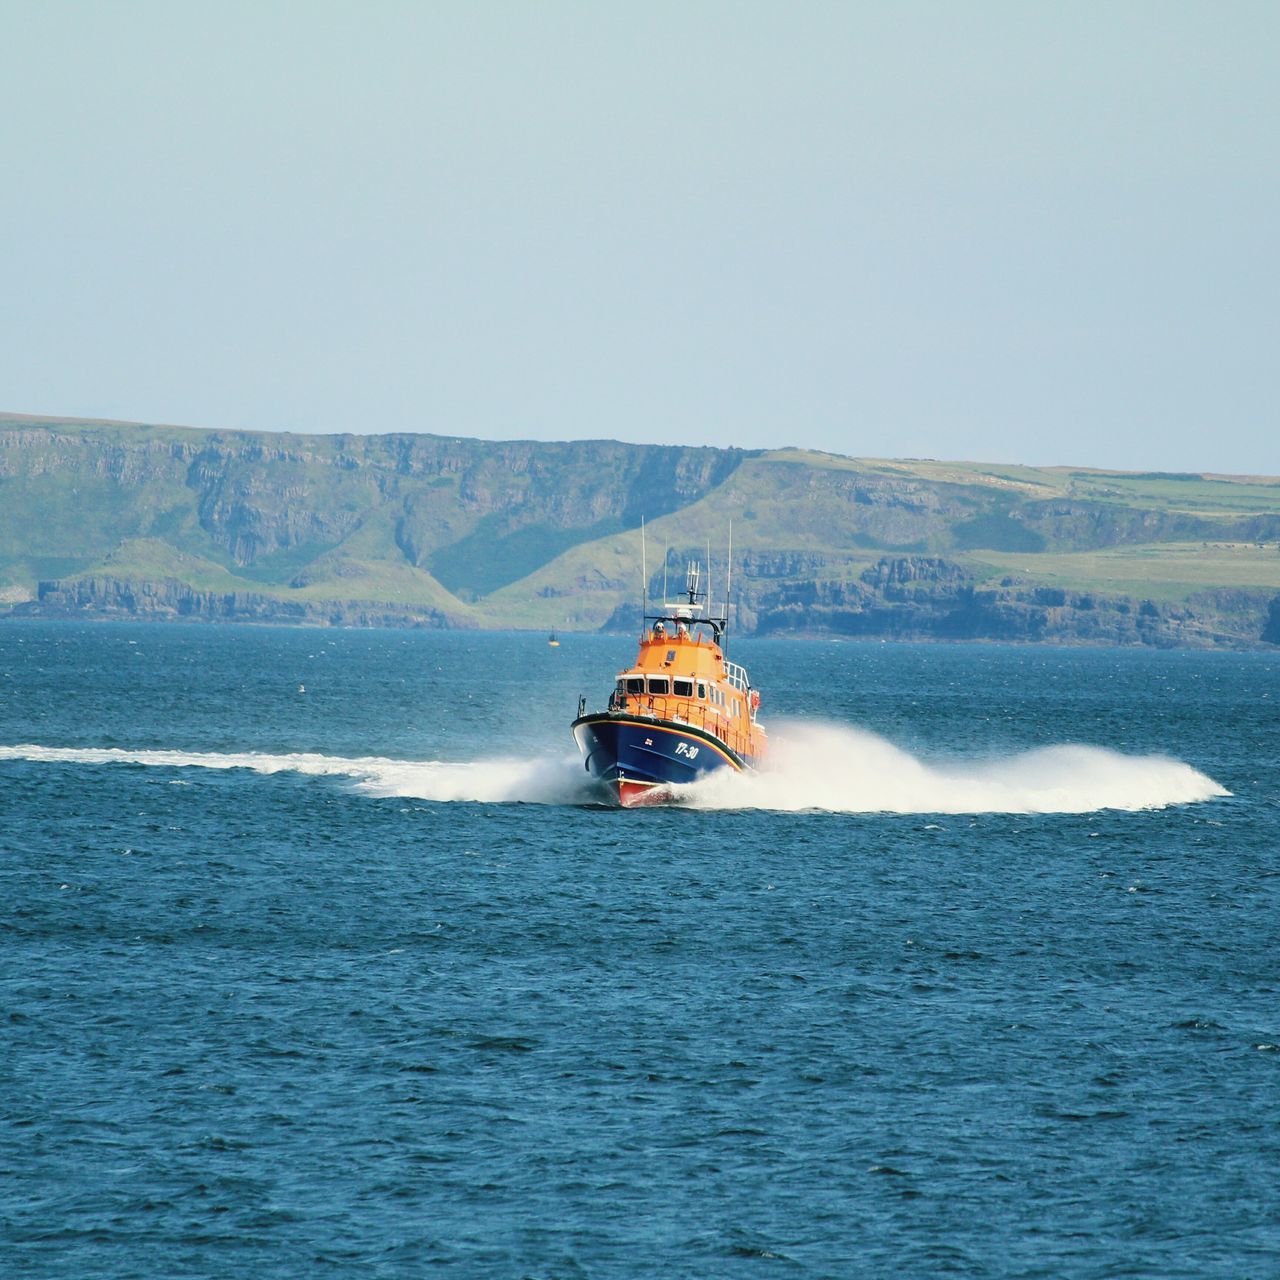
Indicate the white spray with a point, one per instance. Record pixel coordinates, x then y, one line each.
812 766
848 770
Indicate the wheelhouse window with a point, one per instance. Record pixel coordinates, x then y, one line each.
635 685
659 684
682 688
702 690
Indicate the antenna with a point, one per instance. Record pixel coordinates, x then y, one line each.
711 595
728 580
666 555
691 583
644 579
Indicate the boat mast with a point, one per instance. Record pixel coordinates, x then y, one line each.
711 598
728 579
644 579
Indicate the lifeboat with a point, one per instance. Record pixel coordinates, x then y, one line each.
680 711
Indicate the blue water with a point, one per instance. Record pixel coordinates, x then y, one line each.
276 1005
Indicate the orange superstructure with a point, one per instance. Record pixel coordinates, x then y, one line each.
682 676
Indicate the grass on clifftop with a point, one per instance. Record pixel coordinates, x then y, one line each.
1155 571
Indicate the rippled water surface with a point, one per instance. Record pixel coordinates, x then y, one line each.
317 960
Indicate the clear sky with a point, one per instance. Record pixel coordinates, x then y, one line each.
1037 232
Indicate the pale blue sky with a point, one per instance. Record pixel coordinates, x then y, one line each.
1020 232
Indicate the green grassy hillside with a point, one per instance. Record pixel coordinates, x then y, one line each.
435 530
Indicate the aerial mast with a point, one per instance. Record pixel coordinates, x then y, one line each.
711 595
644 579
728 579
691 584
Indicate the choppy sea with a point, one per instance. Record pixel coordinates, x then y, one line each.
317 959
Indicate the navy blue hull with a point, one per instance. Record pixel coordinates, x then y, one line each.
636 757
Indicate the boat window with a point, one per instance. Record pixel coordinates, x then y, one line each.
635 685
659 684
682 688
702 689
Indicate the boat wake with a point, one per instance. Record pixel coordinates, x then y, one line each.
848 770
547 780
812 767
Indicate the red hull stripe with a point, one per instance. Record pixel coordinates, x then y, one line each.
632 794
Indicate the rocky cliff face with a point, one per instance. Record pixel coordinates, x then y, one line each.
166 600
1271 631
254 496
928 598
932 598
100 519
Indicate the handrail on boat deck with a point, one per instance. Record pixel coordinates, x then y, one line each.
695 714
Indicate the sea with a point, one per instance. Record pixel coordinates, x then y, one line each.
319 957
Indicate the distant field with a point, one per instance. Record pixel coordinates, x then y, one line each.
1158 571
1207 495
1196 495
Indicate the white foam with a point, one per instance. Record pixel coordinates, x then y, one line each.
541 780
811 766
847 770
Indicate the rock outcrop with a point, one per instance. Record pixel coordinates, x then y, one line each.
932 598
169 600
926 598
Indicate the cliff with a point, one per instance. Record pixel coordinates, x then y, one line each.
123 520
